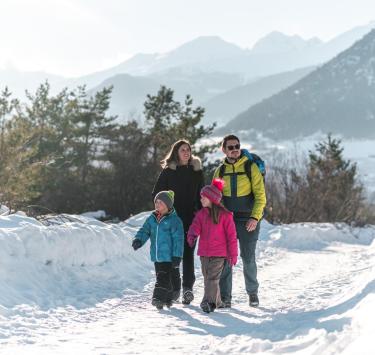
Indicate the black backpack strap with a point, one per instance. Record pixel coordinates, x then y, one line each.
221 170
248 168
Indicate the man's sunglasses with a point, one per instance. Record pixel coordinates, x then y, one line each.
232 147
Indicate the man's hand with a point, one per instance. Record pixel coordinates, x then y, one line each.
251 224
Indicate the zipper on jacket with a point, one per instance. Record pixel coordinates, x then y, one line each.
157 233
156 250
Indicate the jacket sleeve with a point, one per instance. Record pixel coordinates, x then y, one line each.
200 185
178 238
259 192
231 234
144 233
195 228
161 183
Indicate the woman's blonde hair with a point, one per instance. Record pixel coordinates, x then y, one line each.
172 155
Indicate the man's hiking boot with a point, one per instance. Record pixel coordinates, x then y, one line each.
187 296
157 303
253 300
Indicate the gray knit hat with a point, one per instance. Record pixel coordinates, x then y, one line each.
167 197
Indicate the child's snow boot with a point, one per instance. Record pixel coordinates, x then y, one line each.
157 303
187 296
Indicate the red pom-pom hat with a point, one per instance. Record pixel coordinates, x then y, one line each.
214 191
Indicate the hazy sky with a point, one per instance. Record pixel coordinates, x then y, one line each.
76 37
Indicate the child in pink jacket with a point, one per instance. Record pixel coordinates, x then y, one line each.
214 226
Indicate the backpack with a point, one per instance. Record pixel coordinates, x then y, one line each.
252 158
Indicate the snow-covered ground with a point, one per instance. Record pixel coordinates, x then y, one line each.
79 288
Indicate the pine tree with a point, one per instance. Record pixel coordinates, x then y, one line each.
169 120
7 106
160 111
91 124
19 168
128 182
335 193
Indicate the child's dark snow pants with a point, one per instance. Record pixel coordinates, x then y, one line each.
166 282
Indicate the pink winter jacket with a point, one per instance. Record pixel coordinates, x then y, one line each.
215 239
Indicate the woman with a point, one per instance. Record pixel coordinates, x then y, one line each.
182 173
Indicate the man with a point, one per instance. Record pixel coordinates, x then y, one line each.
245 196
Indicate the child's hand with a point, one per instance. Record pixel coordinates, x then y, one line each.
191 240
176 262
136 244
232 260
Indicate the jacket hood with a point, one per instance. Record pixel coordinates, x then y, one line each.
195 162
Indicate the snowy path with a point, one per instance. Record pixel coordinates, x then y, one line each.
312 302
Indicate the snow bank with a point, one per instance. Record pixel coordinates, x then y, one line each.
73 263
95 214
315 236
4 210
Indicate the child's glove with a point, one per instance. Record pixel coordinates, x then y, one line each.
232 260
176 262
136 244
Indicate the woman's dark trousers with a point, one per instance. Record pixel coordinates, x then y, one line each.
188 274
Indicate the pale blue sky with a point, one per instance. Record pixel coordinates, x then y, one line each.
76 37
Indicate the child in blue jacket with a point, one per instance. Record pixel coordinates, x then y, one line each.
166 233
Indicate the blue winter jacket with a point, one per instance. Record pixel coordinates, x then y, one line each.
167 236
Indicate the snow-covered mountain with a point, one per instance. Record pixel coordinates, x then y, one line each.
277 42
130 92
193 55
224 107
80 288
275 53
19 81
211 53
338 97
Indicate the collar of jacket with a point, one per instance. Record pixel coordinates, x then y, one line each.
195 162
170 212
239 162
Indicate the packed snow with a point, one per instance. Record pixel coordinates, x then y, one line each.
79 288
